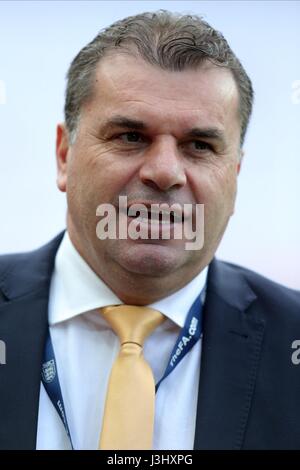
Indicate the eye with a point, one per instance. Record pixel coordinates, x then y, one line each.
129 137
200 145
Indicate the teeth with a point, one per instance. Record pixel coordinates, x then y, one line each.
169 216
162 216
152 221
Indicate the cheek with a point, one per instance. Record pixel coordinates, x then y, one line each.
97 182
216 189
82 195
230 185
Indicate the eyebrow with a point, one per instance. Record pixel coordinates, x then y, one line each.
206 133
127 123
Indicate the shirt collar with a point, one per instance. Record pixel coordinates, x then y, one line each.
76 289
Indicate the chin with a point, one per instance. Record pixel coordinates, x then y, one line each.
151 260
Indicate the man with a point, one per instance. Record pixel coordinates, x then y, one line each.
157 107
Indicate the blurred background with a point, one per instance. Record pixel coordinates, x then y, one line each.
38 40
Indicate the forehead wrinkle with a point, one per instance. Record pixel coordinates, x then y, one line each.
208 103
195 117
212 111
154 86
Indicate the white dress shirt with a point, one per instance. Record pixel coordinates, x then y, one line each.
85 348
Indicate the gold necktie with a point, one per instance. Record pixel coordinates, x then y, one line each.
129 408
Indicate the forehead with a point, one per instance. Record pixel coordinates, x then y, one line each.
206 95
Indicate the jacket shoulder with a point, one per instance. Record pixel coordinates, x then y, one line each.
27 269
269 292
9 260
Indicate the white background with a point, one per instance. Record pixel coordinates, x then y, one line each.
38 40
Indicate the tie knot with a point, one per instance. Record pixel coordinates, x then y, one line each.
131 323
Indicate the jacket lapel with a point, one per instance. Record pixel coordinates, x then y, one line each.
24 283
232 337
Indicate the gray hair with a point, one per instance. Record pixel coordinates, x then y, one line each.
171 41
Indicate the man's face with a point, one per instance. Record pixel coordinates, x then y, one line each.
154 136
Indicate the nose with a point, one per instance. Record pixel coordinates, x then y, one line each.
162 166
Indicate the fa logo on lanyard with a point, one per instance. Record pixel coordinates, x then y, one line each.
49 371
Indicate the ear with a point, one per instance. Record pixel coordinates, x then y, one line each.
62 151
239 164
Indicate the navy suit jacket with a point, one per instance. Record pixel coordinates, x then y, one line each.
249 389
